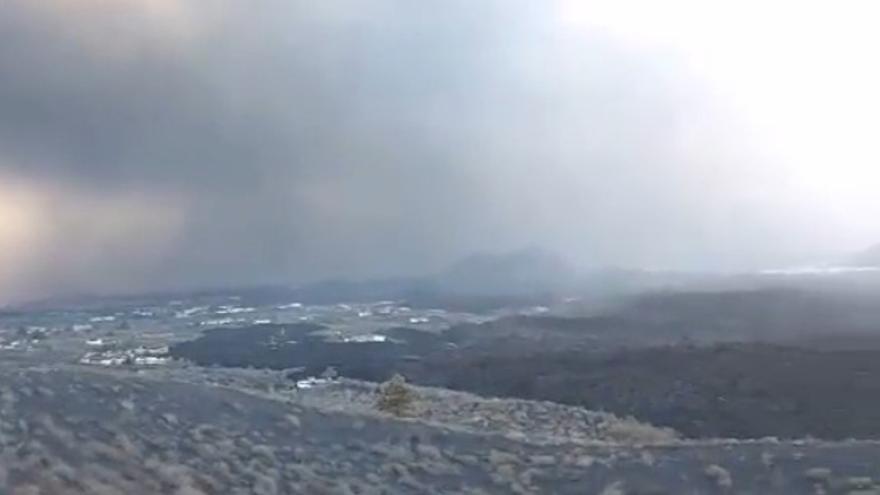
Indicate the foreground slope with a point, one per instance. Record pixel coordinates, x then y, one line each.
75 430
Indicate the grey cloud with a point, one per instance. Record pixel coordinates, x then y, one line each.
315 139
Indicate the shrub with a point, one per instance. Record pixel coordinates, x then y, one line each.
396 397
631 431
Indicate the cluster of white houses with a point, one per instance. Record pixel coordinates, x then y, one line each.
139 356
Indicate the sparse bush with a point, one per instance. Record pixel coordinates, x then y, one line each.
818 474
396 397
330 373
631 431
720 476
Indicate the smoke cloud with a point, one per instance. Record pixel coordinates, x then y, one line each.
151 144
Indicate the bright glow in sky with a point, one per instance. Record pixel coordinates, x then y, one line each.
803 76
106 225
19 224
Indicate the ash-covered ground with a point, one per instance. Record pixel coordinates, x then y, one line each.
225 396
75 430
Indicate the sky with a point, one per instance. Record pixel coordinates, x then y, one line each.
167 144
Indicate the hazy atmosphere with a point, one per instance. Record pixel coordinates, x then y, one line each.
452 247
153 144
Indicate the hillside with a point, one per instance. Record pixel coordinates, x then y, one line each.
154 434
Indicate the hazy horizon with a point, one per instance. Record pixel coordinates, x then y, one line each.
160 144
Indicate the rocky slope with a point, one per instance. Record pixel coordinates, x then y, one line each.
75 430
